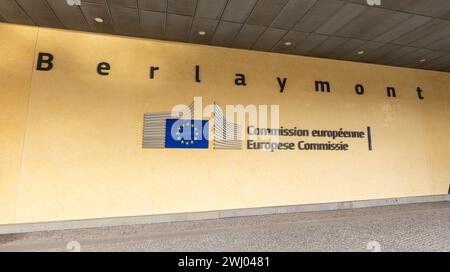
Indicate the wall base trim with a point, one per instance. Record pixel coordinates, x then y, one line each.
177 217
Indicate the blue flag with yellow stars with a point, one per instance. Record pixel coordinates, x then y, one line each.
186 133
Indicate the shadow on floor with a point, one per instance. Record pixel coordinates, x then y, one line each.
7 238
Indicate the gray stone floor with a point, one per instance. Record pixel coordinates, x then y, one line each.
413 227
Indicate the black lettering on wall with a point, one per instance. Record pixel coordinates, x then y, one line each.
419 93
197 73
282 83
103 68
359 88
44 62
323 86
391 92
153 69
240 80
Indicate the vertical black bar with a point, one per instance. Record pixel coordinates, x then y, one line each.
369 137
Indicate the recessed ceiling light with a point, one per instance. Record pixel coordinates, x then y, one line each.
422 60
202 33
98 20
288 43
361 52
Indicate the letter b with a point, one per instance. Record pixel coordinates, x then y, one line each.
44 62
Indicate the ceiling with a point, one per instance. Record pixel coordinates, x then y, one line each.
408 33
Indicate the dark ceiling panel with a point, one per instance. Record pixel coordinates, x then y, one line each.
40 12
439 63
345 48
126 20
443 45
225 32
367 49
410 58
433 37
92 11
203 24
294 37
421 65
318 14
387 4
265 12
377 54
432 8
248 36
211 9
327 47
421 31
178 27
342 17
152 24
397 4
372 23
445 16
154 5
103 2
238 10
309 43
13 13
123 3
395 54
413 22
269 39
442 66
182 7
292 12
432 56
399 32
70 16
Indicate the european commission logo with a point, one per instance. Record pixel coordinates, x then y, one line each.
180 129
186 133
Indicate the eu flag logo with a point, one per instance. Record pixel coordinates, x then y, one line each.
186 133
